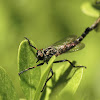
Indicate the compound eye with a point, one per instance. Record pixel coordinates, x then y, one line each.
40 55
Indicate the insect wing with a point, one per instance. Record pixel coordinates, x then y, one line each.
77 47
66 40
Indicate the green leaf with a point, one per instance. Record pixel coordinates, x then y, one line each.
43 79
74 82
89 10
29 80
66 80
7 91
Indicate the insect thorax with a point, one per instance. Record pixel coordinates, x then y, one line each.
48 53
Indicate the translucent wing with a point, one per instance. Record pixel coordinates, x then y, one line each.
77 47
68 40
65 40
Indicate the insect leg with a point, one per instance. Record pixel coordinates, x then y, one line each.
30 43
68 61
30 68
47 79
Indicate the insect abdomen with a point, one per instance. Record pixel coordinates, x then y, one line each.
63 48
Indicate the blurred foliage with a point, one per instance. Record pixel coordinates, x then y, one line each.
7 90
88 9
46 22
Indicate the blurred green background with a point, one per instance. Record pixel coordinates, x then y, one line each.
45 22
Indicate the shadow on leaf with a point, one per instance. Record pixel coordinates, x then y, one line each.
62 81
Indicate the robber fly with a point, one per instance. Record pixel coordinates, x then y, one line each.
69 44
